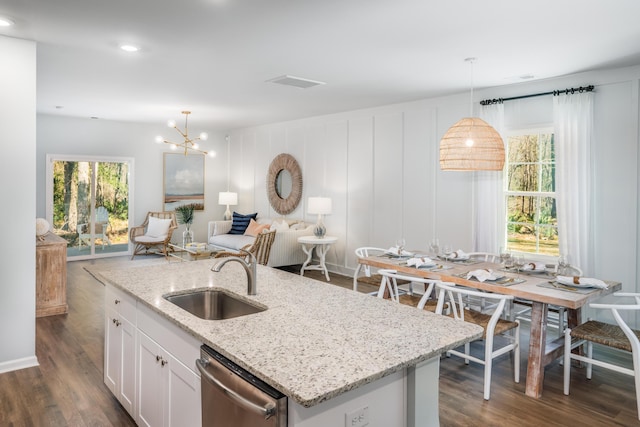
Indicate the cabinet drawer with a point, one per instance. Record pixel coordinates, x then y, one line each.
175 340
123 304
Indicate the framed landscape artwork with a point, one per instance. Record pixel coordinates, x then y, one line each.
183 181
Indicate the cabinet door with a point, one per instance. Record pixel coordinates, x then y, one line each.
112 351
127 390
183 407
150 382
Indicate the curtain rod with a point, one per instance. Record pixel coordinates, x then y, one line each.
570 91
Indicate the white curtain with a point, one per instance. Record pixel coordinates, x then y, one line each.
573 124
488 229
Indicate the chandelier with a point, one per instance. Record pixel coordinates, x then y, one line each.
188 143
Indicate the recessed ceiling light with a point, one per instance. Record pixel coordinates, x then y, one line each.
129 48
6 22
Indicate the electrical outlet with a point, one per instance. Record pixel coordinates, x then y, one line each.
357 418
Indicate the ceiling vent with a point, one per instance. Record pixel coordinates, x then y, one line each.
295 81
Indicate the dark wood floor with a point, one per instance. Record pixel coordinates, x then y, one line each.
67 388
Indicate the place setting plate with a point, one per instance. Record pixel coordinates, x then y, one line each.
500 279
581 289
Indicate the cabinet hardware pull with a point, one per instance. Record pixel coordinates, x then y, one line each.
117 301
158 358
163 362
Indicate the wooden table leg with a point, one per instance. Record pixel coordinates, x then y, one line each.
537 349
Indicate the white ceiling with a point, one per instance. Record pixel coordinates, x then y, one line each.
214 56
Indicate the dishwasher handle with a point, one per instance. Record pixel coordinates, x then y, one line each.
267 411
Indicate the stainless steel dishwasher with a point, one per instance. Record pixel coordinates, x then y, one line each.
232 396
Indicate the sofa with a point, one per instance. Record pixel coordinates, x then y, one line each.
285 249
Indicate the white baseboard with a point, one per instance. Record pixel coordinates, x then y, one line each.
14 365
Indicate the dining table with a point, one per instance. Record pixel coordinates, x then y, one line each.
539 288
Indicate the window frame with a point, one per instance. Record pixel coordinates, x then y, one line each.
506 193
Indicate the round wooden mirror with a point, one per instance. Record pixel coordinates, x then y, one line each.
284 184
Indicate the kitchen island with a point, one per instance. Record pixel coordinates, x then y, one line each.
329 350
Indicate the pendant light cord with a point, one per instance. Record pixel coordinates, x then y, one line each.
471 61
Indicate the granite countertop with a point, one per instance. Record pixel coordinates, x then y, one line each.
315 340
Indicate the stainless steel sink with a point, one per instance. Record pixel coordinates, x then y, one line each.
213 304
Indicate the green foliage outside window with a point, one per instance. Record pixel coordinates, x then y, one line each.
532 223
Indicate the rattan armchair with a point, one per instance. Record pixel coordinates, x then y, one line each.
260 248
144 241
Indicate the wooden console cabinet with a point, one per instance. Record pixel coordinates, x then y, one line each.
51 275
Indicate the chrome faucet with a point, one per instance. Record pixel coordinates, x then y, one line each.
249 268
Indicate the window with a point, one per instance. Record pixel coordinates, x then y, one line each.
532 222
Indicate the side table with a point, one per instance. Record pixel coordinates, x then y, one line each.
321 246
51 275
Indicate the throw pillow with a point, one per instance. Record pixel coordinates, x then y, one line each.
240 222
254 228
158 227
279 225
298 226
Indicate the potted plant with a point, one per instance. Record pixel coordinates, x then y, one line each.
184 215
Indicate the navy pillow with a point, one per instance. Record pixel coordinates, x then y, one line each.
241 222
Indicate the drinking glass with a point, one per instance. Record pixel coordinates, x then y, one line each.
519 263
563 264
504 256
508 261
434 247
447 250
400 244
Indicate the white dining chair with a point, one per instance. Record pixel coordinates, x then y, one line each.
364 252
389 283
484 256
481 303
492 324
619 336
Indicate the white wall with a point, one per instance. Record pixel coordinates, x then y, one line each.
95 137
17 173
380 167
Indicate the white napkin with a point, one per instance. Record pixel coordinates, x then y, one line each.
584 281
534 266
483 275
459 254
419 262
394 250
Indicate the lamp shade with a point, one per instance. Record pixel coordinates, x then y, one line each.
319 205
227 198
471 145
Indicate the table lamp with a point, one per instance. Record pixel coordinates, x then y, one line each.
320 206
227 198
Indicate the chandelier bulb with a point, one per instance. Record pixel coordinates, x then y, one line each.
204 136
196 145
211 154
174 147
171 123
159 139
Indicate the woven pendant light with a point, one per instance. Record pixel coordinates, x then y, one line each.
471 144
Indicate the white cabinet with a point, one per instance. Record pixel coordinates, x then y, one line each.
149 364
168 390
120 347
